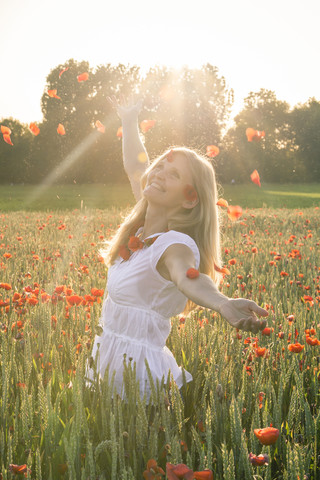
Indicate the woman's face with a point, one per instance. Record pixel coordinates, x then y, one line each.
168 182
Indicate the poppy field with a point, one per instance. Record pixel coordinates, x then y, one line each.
253 408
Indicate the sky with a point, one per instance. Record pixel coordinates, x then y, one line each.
254 44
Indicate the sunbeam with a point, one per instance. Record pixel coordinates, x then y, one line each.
66 163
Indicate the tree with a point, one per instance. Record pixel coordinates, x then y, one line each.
305 121
15 160
274 155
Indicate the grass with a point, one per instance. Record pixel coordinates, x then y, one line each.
70 197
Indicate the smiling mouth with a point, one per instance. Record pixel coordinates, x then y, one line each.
156 185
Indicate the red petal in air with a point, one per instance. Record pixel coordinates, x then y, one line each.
7 139
83 77
234 212
34 129
53 94
5 130
62 71
61 129
100 127
212 151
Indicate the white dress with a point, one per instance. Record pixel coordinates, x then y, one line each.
136 315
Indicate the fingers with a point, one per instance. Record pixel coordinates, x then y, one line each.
252 324
258 310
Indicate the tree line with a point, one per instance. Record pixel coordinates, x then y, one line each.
190 107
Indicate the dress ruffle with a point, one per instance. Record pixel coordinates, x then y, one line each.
134 335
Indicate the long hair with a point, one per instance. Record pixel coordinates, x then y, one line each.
201 222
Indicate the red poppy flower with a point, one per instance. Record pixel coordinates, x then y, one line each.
234 212
295 347
313 341
34 129
190 193
153 471
179 472
145 125
255 177
135 244
212 151
232 261
259 460
74 300
260 351
61 129
192 273
267 331
267 436
6 286
83 77
204 475
96 292
53 94
253 134
100 127
222 203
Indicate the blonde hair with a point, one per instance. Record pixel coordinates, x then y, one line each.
201 222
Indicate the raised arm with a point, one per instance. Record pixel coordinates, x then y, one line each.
135 157
239 312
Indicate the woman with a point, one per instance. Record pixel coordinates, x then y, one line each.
154 260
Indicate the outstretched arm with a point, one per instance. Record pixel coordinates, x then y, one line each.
239 312
135 157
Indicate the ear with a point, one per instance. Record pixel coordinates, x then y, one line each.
191 197
190 203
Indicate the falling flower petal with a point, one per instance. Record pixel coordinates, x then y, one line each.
119 132
212 151
234 212
100 127
83 77
53 94
253 134
145 125
222 203
7 139
223 270
62 71
255 177
192 273
5 130
34 129
61 129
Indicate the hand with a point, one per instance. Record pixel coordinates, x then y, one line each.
241 313
126 109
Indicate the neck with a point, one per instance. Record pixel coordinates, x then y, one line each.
155 222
